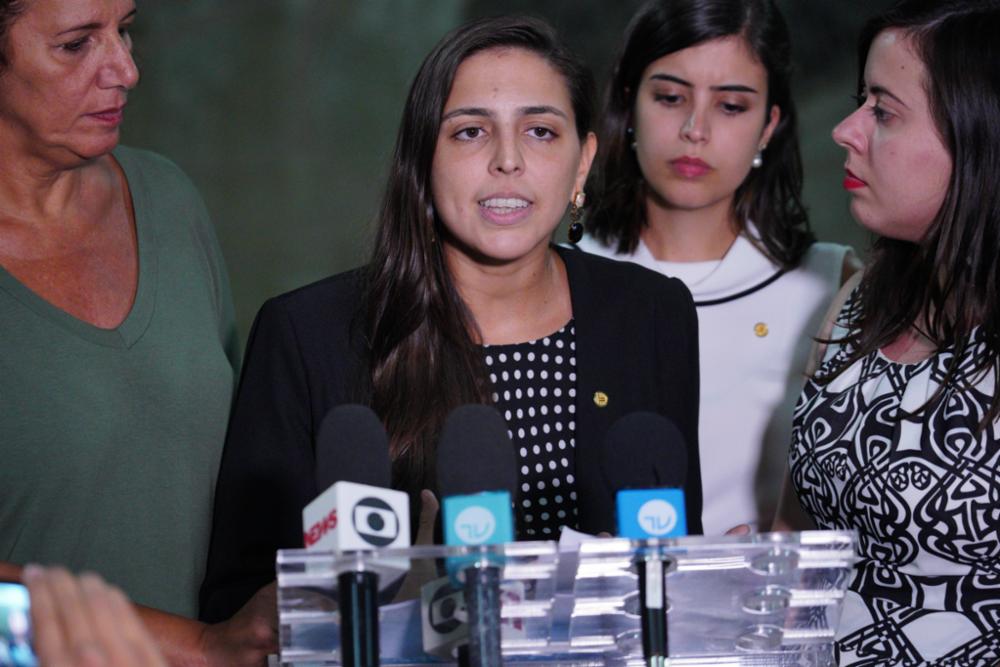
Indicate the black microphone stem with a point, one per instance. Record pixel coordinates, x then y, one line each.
358 594
653 605
482 599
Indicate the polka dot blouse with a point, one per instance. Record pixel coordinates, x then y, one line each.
535 390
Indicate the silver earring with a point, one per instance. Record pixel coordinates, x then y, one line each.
758 160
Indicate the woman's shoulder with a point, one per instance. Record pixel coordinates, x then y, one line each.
833 261
330 296
151 169
621 279
319 320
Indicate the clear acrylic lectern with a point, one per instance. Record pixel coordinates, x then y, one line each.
764 599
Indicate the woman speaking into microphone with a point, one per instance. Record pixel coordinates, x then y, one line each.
464 300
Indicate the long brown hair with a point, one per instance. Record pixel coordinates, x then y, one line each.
947 283
9 11
771 196
421 338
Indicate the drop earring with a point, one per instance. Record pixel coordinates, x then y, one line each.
631 135
758 159
575 213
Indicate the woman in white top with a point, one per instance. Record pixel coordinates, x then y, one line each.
699 177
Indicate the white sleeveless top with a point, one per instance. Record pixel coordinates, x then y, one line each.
755 329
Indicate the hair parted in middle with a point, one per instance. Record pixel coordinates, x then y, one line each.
771 195
422 342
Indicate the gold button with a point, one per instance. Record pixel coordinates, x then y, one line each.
600 399
760 329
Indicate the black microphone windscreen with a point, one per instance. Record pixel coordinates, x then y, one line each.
644 450
475 453
351 446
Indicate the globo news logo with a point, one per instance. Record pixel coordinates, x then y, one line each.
375 522
447 611
320 528
475 525
657 517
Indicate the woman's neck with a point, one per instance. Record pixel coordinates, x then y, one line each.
33 191
910 347
678 235
513 302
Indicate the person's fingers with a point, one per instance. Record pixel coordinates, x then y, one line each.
73 612
116 625
107 632
72 609
429 507
741 529
265 606
49 637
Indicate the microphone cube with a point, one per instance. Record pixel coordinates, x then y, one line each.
443 618
356 517
651 513
481 518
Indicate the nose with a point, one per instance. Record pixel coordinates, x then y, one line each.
119 69
850 132
695 128
507 157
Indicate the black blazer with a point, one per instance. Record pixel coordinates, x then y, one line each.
636 342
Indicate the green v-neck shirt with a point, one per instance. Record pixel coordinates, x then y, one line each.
110 438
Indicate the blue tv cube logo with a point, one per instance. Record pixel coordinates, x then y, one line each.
483 518
651 513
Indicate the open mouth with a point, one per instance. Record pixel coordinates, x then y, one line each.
504 205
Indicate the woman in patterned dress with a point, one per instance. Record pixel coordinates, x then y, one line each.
897 434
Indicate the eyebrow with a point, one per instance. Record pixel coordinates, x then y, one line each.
725 88
882 90
524 111
95 26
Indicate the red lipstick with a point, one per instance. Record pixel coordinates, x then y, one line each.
852 182
690 167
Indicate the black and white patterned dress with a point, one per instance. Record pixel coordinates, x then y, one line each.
923 492
534 388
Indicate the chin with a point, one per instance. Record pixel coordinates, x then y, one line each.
92 148
502 253
688 201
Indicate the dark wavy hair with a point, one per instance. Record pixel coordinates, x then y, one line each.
424 358
948 282
771 196
9 10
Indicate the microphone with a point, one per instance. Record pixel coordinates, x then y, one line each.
477 476
356 513
645 460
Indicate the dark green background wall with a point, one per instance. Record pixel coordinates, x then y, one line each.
284 112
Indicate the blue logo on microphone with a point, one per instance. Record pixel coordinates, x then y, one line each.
651 513
483 518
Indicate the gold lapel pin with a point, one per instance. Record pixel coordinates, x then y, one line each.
600 399
760 329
